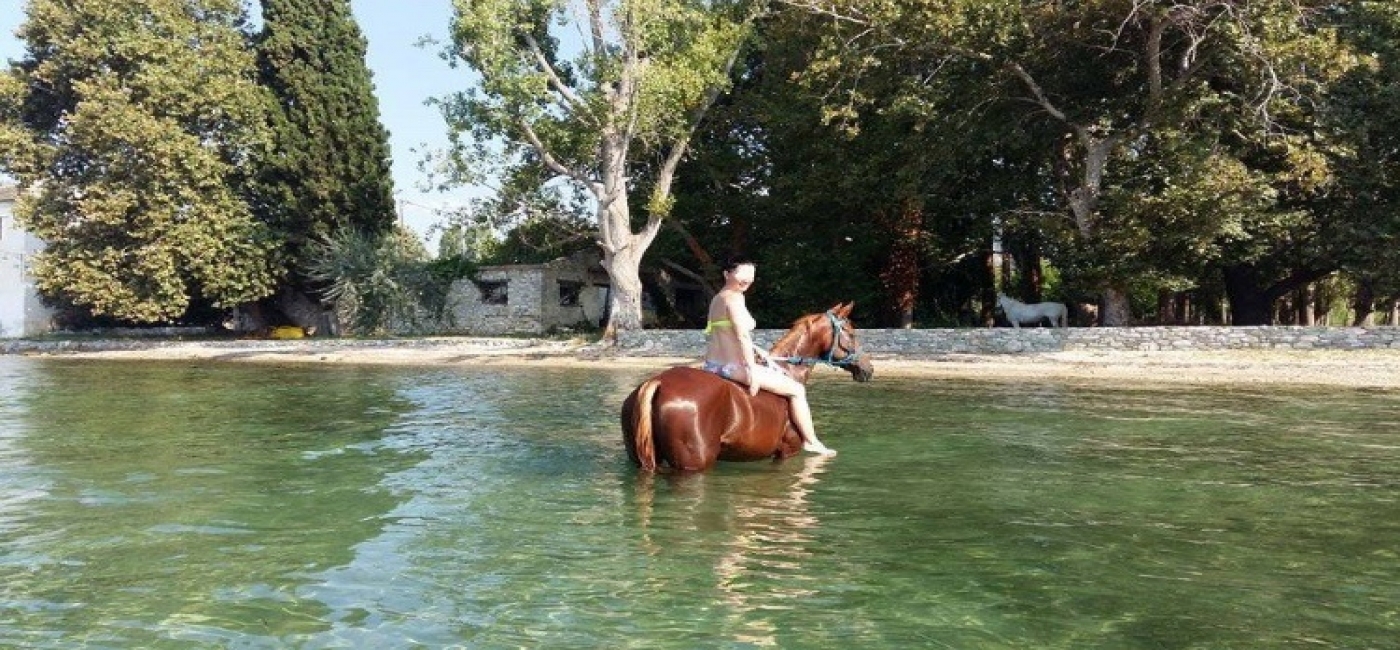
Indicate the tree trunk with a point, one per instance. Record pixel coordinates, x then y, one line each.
1008 264
1364 303
1251 302
1321 305
1031 281
1166 307
625 298
989 292
1249 305
900 276
622 249
1303 297
1116 311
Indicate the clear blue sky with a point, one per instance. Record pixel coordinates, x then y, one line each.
405 76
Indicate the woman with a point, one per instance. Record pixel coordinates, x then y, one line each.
730 352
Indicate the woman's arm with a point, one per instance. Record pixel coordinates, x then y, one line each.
743 329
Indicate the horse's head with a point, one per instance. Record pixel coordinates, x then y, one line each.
828 338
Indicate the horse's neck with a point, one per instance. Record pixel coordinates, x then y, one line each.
788 343
795 343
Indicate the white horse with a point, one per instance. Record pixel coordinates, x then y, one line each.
1019 312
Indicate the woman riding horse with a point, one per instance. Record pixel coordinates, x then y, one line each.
689 419
730 352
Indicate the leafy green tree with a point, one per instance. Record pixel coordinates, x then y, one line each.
894 200
128 124
593 110
328 168
1365 110
1109 76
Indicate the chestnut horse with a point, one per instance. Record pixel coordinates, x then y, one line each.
689 419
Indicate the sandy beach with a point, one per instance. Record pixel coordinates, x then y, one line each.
1345 368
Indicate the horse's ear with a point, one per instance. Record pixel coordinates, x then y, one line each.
843 311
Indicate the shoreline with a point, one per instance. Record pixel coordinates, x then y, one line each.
1364 368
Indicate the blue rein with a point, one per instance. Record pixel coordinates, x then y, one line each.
828 358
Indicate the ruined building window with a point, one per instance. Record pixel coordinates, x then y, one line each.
569 293
494 292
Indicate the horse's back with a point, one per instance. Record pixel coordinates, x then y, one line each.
693 418
1018 312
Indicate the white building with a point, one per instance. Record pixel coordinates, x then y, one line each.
21 312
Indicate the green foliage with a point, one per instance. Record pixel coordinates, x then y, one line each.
620 103
384 283
126 124
1131 181
467 241
672 53
824 203
1364 208
328 167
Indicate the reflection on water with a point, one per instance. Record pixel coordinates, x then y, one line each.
194 505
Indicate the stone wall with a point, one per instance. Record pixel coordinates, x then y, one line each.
529 299
927 343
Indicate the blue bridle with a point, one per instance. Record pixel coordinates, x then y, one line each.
828 358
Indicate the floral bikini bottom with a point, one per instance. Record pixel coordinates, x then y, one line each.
726 370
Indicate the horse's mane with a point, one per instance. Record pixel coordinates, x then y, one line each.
788 342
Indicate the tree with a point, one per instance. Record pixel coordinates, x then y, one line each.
1110 75
128 124
643 76
1365 110
328 169
874 206
380 283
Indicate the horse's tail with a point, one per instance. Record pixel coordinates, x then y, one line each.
641 425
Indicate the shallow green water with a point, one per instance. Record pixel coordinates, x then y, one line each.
224 506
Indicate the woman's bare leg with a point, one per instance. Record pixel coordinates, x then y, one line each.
802 416
798 408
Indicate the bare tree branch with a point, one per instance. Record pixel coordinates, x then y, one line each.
553 163
709 287
1040 97
826 9
571 99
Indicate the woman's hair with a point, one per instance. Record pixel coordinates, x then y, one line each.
735 261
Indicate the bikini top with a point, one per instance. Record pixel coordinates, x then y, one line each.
711 325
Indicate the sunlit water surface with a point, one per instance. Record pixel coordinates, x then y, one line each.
219 505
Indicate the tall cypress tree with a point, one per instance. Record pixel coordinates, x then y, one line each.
329 167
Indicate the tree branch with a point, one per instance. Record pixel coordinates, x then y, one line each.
709 288
553 163
571 98
1039 93
818 9
595 27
